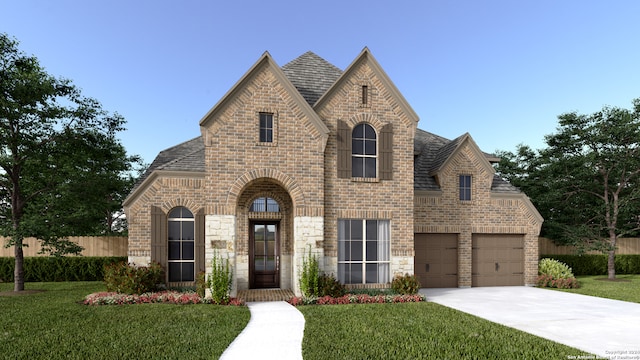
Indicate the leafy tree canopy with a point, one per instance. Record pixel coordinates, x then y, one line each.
585 182
63 172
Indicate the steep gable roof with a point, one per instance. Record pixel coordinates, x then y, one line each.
365 55
432 153
311 75
267 61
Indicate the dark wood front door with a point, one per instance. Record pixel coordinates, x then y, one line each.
264 255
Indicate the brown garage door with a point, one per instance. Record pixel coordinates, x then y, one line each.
436 260
497 260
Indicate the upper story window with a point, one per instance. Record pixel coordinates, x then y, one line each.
266 127
465 187
264 204
363 151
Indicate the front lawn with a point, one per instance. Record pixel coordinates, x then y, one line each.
53 324
416 331
625 287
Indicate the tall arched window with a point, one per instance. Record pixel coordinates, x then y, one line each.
363 151
181 244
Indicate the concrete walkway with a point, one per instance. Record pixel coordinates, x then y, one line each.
274 331
607 328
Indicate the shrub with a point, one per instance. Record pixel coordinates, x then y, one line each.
596 264
131 279
405 284
549 281
50 269
201 283
309 277
555 269
328 285
220 280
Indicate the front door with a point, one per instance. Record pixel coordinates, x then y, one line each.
264 254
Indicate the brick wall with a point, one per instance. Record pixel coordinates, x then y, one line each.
486 213
369 198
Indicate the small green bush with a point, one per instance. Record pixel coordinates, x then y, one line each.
405 284
555 269
220 280
201 283
328 285
52 269
309 277
130 279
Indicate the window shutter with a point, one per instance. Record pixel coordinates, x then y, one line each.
386 152
200 262
344 150
159 236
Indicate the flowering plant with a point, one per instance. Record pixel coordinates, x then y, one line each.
356 299
162 297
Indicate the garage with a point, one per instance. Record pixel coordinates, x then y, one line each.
497 260
436 260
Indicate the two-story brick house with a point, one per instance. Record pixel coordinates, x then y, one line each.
306 157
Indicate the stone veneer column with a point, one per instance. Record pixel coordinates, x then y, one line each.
307 231
401 265
220 236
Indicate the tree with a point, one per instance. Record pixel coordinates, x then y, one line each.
585 183
60 161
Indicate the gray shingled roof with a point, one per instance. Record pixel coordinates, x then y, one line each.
311 75
431 151
187 156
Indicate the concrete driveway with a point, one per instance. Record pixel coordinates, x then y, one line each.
607 328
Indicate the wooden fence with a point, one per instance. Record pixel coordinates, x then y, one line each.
625 246
117 246
93 246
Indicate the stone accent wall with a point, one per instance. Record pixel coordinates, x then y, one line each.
220 239
309 235
358 198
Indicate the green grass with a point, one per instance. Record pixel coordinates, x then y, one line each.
625 288
416 331
54 325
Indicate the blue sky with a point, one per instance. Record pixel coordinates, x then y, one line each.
501 70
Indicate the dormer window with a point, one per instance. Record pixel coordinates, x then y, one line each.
266 127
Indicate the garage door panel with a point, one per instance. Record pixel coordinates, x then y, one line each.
497 260
436 260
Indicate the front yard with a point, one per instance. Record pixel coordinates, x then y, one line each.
53 324
625 287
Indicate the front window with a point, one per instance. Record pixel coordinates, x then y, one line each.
181 244
465 187
266 127
363 251
363 151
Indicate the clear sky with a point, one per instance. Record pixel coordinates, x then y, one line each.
501 70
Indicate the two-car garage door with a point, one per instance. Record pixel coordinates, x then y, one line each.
497 260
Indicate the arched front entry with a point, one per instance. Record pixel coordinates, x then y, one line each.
264 235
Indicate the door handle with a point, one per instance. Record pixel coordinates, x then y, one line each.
427 268
497 267
278 263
